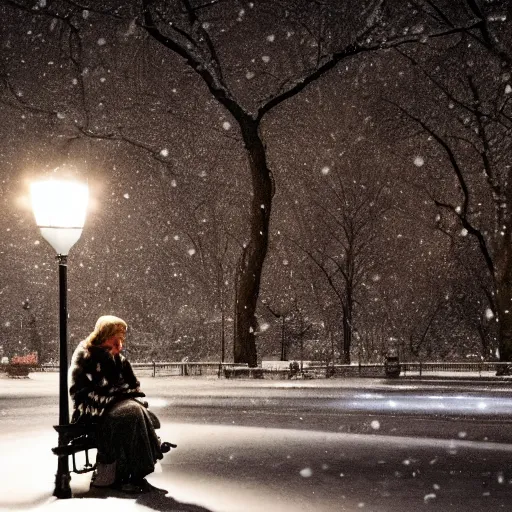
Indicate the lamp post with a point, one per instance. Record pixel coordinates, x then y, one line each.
59 208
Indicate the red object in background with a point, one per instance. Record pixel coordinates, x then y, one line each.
29 359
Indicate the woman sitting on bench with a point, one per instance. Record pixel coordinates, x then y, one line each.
104 391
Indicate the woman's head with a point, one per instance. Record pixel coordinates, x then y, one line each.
109 333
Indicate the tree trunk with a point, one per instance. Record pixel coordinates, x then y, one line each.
284 356
347 334
222 337
504 297
255 249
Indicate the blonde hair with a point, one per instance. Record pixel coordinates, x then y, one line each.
106 327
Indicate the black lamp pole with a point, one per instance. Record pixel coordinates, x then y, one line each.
62 478
60 206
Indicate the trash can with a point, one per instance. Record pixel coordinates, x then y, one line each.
392 366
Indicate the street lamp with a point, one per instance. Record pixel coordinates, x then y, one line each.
60 208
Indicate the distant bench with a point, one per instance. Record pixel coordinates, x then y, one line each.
18 371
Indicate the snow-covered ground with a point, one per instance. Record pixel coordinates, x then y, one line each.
223 468
46 383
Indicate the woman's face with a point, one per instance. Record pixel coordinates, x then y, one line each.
114 344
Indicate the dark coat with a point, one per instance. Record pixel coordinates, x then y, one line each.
98 380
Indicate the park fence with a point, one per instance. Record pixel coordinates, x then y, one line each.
236 370
167 369
482 368
415 369
181 369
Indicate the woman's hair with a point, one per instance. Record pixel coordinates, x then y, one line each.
106 326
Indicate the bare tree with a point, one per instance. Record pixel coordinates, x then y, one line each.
283 315
344 247
474 135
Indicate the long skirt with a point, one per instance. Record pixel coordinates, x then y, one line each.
126 436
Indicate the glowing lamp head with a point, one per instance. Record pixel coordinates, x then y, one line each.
60 208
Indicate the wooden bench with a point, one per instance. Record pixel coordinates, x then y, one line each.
78 438
74 439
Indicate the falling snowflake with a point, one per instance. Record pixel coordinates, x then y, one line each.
226 125
249 75
429 497
174 183
306 472
489 315
265 59
418 161
325 170
191 252
164 152
271 38
126 196
102 41
375 424
463 232
508 89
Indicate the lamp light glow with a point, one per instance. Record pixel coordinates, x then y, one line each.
60 208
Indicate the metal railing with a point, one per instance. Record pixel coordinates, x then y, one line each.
483 367
199 368
182 369
172 369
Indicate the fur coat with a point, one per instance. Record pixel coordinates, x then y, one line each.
97 381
